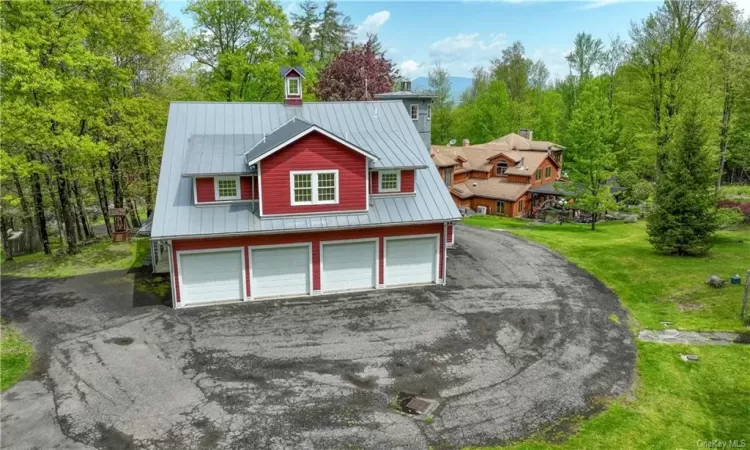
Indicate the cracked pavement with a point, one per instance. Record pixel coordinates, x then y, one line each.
517 340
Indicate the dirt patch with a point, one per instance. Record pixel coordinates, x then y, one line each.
689 306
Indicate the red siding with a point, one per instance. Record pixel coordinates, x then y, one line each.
315 238
313 152
449 238
204 190
407 181
246 188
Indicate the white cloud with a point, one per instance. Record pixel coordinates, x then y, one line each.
410 69
593 4
467 45
745 6
372 23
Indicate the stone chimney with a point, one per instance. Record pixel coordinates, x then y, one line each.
406 86
525 132
293 77
466 143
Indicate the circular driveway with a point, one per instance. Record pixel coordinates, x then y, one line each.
518 339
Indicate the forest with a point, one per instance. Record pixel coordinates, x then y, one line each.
86 88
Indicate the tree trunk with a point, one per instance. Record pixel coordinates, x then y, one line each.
724 130
76 213
593 221
5 238
41 220
28 220
114 172
102 196
56 208
134 219
66 209
149 191
88 232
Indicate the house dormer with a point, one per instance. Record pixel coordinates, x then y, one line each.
293 77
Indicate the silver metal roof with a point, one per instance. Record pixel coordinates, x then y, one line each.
384 125
213 154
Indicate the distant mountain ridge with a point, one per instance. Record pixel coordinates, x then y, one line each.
458 86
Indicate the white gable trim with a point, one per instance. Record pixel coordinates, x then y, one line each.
292 69
305 133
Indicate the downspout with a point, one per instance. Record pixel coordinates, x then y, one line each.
171 274
445 252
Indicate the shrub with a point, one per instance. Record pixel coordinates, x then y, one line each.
744 208
727 217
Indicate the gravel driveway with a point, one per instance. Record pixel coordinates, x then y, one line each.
518 339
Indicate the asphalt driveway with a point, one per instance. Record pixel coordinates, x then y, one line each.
517 340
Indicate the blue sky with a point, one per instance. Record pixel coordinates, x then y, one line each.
463 35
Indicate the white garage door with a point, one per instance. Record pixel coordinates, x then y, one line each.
410 261
282 271
211 277
348 266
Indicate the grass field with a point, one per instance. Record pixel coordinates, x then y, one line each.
654 287
677 404
15 356
735 192
674 404
99 257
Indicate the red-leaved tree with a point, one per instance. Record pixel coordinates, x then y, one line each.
357 73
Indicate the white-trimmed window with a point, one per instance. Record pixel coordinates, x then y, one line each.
389 181
292 86
500 168
414 111
314 187
429 112
227 188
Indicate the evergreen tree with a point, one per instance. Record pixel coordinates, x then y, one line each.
682 221
305 24
334 33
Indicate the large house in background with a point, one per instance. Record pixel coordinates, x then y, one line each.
268 200
501 176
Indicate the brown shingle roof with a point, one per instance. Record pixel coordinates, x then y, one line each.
478 157
496 188
519 142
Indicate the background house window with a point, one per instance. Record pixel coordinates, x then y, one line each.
500 207
429 112
501 167
390 181
538 174
227 188
449 176
311 188
292 86
414 110
547 172
303 188
520 206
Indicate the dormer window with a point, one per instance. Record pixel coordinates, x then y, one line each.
389 181
227 188
500 168
309 187
292 87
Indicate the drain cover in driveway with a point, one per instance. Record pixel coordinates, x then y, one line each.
417 405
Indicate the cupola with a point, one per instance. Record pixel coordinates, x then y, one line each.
293 77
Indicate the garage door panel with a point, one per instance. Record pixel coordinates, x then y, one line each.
348 266
211 276
410 261
280 271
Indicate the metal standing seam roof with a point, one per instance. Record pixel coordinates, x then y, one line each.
214 154
405 94
384 125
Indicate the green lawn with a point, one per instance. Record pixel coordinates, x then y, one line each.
674 404
735 192
99 257
654 287
678 404
15 356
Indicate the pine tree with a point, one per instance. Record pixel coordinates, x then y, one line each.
683 221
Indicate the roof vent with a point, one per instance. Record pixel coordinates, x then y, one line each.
406 86
466 143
